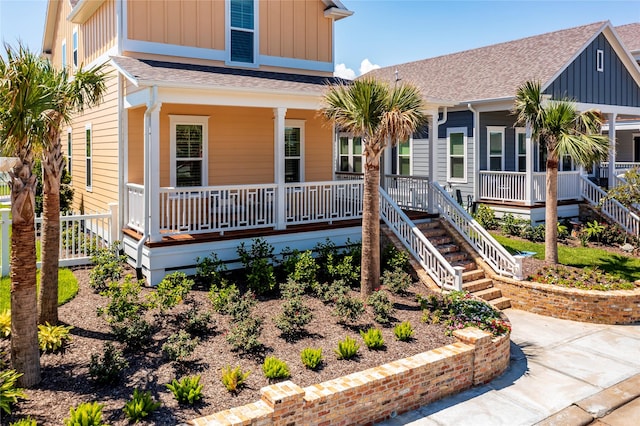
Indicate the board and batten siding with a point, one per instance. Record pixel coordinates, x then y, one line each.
582 82
498 119
456 119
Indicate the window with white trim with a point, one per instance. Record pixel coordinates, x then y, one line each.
294 151
566 164
242 33
495 148
88 139
189 145
600 60
521 149
456 154
63 53
350 154
69 149
404 158
75 47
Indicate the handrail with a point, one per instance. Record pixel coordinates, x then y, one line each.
441 271
611 208
491 251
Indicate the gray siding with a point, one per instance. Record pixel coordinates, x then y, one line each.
581 81
502 119
421 157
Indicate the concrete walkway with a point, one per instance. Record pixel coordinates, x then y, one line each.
561 373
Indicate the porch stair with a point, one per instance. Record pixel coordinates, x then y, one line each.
474 279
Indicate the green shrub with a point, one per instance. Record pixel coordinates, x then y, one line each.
347 348
197 321
210 270
403 331
9 392
372 338
531 233
5 323
382 306
233 379
348 309
486 217
511 225
135 333
86 414
294 317
396 280
274 368
323 250
258 265
108 267
311 357
593 230
292 289
563 231
244 335
187 390
171 290
393 259
330 291
240 308
305 270
179 346
24 422
52 338
140 405
108 368
343 268
223 296
124 301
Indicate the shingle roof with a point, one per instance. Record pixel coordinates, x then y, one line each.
496 71
170 74
630 36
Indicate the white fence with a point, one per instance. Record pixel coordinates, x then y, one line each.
409 192
610 208
79 235
314 202
568 186
620 167
511 186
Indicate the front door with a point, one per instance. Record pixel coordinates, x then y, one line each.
636 149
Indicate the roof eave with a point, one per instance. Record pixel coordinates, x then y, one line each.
336 13
49 26
84 10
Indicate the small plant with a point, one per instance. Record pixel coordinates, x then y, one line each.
323 250
274 368
347 348
187 390
5 323
234 378
9 392
343 268
222 297
348 309
486 217
109 367
311 357
210 270
196 321
396 280
140 405
240 308
305 270
330 291
124 301
393 259
563 231
258 265
382 306
372 338
135 333
292 289
403 331
179 346
108 267
593 230
171 290
86 414
52 338
244 335
533 233
294 317
511 225
24 422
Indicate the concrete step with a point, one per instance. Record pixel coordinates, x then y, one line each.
447 248
488 293
501 303
473 275
477 285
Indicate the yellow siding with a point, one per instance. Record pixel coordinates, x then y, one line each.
135 141
318 145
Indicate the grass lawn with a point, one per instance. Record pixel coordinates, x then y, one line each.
625 267
67 288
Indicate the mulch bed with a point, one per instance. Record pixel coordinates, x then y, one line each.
66 381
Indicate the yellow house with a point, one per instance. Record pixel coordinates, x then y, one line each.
209 133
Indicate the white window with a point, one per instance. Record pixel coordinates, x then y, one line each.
566 164
88 138
600 60
403 165
495 148
350 154
75 47
521 150
189 141
63 53
69 149
241 34
456 154
294 151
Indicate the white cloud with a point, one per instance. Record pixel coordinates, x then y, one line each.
343 72
366 66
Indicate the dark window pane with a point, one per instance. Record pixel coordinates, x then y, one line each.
495 143
344 164
242 14
88 140
292 142
456 144
495 163
522 164
292 170
357 164
344 145
405 166
88 171
189 173
242 46
357 146
457 167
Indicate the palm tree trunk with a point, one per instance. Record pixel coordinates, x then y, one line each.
52 163
25 354
370 263
551 212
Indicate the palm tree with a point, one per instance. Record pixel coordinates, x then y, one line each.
68 96
23 102
564 131
378 114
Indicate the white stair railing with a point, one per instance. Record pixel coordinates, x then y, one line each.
491 251
613 209
441 271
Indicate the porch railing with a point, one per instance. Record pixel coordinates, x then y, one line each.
409 192
620 167
312 202
441 271
611 208
511 186
568 186
491 251
135 207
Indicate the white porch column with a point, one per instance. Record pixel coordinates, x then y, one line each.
152 190
528 178
612 150
278 165
433 142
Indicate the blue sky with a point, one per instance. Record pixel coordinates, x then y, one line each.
387 32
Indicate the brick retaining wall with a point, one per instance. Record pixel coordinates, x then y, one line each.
377 393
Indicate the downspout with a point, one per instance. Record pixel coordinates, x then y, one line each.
152 106
476 151
444 117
